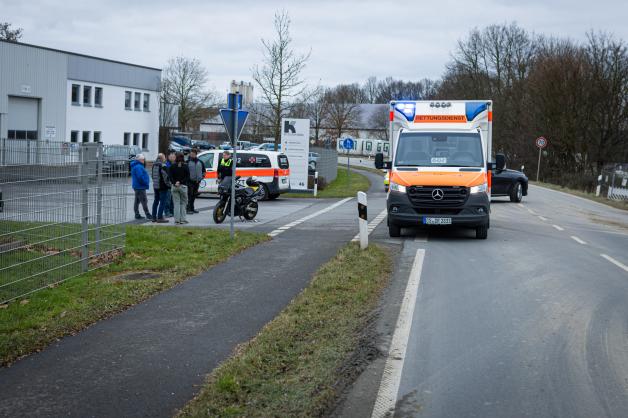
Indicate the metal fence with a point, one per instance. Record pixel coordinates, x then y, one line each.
613 182
327 163
63 208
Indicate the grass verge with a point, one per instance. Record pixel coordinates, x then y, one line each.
345 185
613 203
297 364
162 256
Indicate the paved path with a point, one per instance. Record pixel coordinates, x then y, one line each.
150 360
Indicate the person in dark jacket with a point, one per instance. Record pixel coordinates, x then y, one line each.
180 176
197 173
140 182
169 206
161 186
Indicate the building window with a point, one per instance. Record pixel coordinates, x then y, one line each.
87 95
98 96
146 102
74 136
86 136
136 139
145 142
127 138
76 94
136 103
127 100
97 135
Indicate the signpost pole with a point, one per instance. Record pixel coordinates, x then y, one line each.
538 166
234 162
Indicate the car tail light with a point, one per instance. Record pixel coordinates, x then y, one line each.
276 173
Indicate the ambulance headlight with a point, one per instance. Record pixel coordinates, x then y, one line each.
395 187
481 188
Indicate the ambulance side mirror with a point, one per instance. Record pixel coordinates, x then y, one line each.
380 164
500 162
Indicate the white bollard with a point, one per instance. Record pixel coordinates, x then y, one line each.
315 183
363 220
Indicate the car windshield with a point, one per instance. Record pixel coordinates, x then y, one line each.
439 149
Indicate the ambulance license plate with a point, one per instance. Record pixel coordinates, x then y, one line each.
436 221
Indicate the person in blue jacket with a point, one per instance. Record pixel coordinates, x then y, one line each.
140 180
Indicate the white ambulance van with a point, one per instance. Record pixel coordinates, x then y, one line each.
440 173
271 169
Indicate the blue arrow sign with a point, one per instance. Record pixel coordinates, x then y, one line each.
227 120
347 143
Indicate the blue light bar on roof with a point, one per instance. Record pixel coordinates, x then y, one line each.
407 109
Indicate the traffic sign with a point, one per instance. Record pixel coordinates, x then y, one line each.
227 120
541 142
347 143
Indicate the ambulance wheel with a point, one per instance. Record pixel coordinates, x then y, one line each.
481 232
264 193
394 230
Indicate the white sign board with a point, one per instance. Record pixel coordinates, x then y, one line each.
50 132
295 143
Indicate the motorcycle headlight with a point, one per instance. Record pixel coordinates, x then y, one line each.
481 188
395 187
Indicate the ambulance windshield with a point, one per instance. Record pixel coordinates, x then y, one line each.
439 149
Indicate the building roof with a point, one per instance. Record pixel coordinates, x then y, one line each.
78 54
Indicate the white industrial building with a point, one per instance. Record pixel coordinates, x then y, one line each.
52 95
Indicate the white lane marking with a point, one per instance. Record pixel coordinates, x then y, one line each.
373 224
560 228
307 218
578 240
531 211
617 263
543 218
391 379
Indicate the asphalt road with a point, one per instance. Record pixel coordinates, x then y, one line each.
531 322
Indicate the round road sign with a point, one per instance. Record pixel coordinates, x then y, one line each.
347 143
541 142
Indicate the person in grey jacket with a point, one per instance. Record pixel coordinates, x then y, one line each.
197 173
161 185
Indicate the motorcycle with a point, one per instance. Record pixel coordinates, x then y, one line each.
246 196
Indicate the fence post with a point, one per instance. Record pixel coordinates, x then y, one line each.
84 175
28 151
99 167
4 151
315 183
363 220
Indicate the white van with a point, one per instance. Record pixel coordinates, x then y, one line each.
271 169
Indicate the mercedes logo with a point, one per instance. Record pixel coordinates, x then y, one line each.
437 194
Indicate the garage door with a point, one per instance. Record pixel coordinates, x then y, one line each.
23 118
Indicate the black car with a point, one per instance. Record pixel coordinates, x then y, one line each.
202 145
511 183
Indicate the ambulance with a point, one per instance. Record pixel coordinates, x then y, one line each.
271 169
440 172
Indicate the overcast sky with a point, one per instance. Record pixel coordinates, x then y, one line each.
349 40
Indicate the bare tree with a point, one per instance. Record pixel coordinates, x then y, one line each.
8 34
379 119
184 84
343 110
279 77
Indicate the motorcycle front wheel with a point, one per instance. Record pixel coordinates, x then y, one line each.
250 211
219 212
